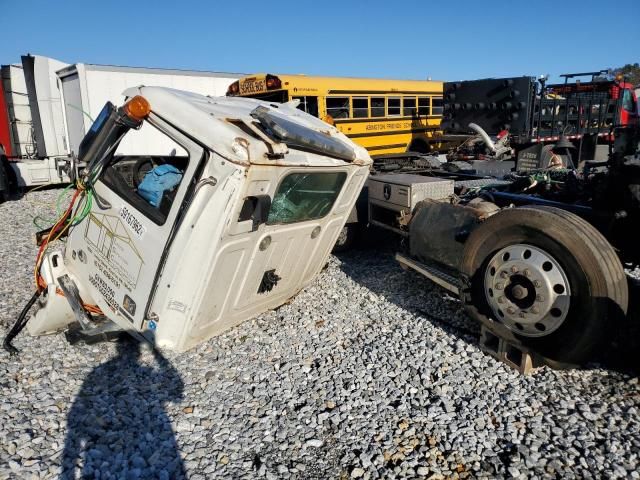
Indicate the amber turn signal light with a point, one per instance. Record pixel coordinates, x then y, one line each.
137 108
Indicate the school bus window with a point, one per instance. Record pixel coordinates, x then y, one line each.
424 106
377 106
308 105
408 106
360 107
338 107
437 106
393 105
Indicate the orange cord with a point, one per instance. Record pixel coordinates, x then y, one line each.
41 284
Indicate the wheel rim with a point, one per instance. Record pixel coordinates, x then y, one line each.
527 290
342 236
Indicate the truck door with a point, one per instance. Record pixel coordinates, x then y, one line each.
291 243
128 229
265 266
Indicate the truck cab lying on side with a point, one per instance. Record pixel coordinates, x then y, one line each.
232 212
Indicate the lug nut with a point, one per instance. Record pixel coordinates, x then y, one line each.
504 274
511 310
535 310
539 298
514 269
499 286
521 315
500 299
526 272
537 284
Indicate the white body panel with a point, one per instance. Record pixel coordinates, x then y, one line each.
31 172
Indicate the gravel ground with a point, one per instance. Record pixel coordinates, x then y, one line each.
370 372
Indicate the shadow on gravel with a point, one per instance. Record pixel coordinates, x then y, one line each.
380 275
118 423
373 266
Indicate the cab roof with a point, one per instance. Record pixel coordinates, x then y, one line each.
219 122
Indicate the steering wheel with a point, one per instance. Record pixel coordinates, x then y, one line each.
143 166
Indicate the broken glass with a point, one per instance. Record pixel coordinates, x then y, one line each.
305 196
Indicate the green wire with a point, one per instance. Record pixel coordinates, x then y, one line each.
59 211
86 208
79 215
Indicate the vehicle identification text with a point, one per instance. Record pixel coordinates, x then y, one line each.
132 222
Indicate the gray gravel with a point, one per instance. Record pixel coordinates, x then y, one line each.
370 372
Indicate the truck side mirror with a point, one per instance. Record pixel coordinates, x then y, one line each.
255 208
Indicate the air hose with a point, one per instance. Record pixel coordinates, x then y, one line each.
19 325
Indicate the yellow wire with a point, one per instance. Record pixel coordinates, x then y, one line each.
66 227
32 203
40 186
47 241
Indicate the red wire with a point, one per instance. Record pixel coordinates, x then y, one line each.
52 233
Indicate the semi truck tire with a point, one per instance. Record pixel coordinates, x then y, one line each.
4 176
548 277
347 238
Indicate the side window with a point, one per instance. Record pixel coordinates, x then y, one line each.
394 106
408 106
424 106
377 106
308 105
146 170
305 196
360 107
436 106
338 107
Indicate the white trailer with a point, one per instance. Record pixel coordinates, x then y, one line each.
46 163
50 105
86 88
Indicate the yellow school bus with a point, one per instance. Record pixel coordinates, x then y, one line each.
384 116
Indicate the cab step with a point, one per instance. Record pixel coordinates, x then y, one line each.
437 276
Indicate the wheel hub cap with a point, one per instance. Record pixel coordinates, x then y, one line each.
527 290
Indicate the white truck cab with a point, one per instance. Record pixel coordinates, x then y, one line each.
233 211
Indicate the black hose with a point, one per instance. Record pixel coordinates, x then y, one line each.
19 325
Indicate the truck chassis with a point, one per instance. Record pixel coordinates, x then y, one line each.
536 257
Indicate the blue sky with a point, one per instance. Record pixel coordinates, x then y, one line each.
393 39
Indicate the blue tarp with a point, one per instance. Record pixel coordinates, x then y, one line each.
160 179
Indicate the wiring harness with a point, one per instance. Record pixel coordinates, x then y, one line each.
77 210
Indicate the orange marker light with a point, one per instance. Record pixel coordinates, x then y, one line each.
137 108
